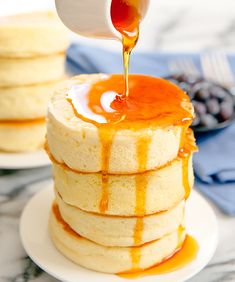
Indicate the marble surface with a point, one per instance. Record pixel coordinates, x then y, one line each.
181 25
16 187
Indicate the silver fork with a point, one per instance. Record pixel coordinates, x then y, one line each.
184 65
216 67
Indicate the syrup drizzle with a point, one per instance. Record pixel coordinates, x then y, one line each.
66 227
135 251
186 148
184 255
106 141
105 194
143 143
128 46
141 186
126 16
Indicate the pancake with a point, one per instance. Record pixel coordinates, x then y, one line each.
26 102
32 34
120 231
27 71
22 136
111 259
122 172
77 143
164 189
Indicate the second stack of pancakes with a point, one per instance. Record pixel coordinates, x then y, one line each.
32 63
119 206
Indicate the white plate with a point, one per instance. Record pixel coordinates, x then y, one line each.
23 160
201 223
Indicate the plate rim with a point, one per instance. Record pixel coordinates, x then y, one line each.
14 160
53 274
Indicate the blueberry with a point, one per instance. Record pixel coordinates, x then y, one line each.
196 121
229 99
218 92
200 108
185 87
213 106
174 81
202 94
226 111
208 120
192 79
202 85
191 95
180 77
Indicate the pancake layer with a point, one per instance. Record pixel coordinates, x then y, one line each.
77 143
28 71
111 259
31 35
120 231
22 136
26 102
164 189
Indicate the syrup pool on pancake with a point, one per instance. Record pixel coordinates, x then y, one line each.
152 100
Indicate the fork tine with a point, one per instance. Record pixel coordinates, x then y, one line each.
216 65
193 67
178 66
184 65
216 68
173 67
226 72
189 66
207 68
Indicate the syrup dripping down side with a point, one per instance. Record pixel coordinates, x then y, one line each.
66 227
187 146
141 187
185 254
106 139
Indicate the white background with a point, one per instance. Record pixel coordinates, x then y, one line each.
199 24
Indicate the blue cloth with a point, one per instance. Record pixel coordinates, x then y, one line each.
214 167
215 163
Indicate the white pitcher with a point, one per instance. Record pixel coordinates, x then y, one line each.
90 18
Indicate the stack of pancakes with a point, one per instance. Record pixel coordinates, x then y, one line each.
132 216
32 55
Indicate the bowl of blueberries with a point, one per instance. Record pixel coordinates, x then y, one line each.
214 105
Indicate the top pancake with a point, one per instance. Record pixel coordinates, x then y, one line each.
77 143
31 35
